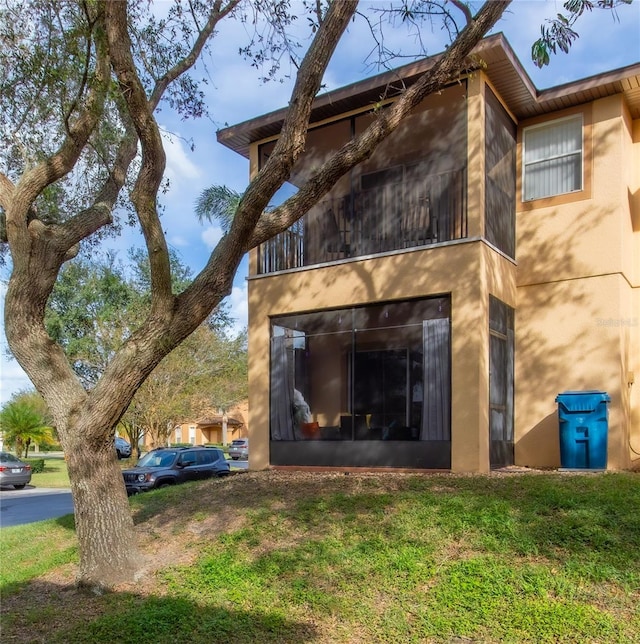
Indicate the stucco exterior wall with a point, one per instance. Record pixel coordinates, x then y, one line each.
633 331
577 300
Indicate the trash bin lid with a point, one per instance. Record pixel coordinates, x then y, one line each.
582 400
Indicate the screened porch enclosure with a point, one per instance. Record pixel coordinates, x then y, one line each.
367 386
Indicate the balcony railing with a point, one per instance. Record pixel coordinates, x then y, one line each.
391 215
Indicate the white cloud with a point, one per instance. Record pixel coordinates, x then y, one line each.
238 301
179 165
178 240
212 235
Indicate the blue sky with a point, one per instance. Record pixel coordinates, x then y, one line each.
235 94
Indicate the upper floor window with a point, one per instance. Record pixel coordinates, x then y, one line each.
552 163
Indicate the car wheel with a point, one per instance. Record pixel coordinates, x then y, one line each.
20 487
164 484
223 474
118 454
235 458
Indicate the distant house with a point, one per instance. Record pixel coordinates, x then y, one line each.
210 428
426 313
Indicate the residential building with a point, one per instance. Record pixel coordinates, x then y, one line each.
428 310
210 428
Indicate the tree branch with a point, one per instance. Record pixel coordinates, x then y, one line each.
216 278
216 14
6 191
34 181
464 8
145 191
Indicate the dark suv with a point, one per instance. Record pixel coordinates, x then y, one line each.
173 465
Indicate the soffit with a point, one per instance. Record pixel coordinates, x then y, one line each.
499 63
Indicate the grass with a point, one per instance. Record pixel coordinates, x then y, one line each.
54 474
31 550
301 557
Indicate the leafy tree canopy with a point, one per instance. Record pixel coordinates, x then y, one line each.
98 302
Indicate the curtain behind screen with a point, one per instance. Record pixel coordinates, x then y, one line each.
281 392
436 413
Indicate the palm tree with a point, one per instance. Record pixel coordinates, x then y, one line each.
21 424
219 204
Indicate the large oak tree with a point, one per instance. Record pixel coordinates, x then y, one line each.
82 82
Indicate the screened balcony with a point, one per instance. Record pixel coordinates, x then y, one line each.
397 208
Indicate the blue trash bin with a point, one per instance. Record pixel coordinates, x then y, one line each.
583 418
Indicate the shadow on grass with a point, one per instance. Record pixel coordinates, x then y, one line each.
67 521
65 615
443 554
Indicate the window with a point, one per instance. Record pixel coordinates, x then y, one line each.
188 459
553 154
206 456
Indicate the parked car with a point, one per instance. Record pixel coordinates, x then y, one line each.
13 471
123 449
172 465
239 449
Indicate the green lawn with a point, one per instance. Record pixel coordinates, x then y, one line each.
54 474
301 557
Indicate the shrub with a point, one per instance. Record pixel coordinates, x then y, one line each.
53 447
37 464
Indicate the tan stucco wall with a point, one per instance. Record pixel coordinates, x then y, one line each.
468 271
633 374
577 302
566 339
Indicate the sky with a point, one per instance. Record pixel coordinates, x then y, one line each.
235 94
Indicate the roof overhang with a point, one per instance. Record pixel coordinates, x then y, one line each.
498 61
215 421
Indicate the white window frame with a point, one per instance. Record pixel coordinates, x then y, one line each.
568 154
192 434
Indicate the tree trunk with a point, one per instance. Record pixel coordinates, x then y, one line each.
106 535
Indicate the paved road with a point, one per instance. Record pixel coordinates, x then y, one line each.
37 504
33 504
